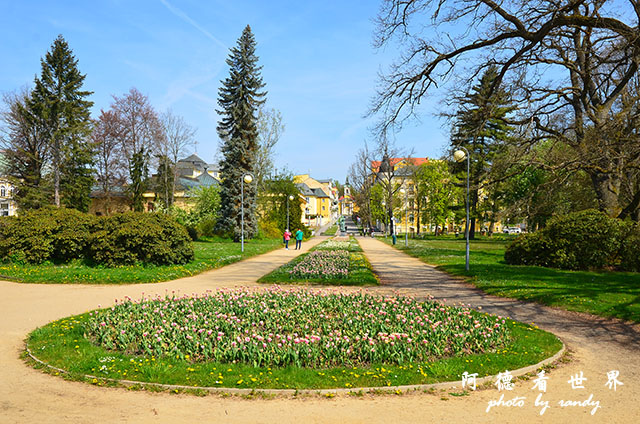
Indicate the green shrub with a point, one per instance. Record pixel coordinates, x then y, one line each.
269 229
630 252
41 235
587 239
132 237
528 249
207 226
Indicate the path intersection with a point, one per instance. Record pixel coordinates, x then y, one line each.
597 346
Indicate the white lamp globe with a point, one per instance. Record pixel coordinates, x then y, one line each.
459 155
248 178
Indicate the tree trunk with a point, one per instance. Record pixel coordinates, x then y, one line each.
473 212
607 188
56 173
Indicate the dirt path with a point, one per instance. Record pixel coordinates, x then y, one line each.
27 395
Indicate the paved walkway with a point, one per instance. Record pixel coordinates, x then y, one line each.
598 345
28 395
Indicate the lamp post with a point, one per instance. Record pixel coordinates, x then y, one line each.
384 218
459 156
406 221
290 197
246 178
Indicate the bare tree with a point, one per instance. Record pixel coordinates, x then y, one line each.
388 174
179 136
110 163
140 133
26 149
361 177
570 58
270 129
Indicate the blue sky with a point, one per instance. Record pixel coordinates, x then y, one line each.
318 63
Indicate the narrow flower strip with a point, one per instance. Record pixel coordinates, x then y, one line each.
305 328
328 264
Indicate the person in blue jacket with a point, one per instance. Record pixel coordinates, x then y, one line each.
299 236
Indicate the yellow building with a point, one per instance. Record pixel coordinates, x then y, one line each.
319 206
192 172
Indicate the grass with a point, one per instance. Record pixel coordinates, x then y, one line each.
360 272
331 231
607 294
62 344
210 253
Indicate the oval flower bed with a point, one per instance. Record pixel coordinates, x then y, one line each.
295 327
285 339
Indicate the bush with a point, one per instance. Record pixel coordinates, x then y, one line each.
630 253
133 237
269 229
528 249
580 240
46 234
60 235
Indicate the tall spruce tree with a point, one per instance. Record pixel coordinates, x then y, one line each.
59 98
239 98
481 128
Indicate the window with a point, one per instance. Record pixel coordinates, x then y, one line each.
4 209
324 208
3 191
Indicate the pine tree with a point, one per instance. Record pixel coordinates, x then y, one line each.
239 98
164 184
59 98
138 172
480 126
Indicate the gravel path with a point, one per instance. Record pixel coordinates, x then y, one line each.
28 395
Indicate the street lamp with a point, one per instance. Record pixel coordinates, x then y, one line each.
290 197
459 156
406 221
384 218
246 178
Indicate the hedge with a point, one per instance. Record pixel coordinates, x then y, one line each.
61 235
587 239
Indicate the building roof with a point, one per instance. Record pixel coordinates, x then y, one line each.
375 164
186 166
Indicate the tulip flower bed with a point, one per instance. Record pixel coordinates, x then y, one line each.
322 264
331 262
286 339
295 327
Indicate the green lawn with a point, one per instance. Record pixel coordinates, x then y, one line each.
360 272
608 294
331 231
210 253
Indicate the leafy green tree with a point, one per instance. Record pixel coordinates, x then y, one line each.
59 99
273 201
239 99
437 192
480 126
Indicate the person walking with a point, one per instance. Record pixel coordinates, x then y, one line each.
299 235
286 237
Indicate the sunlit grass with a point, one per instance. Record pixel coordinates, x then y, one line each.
608 294
210 253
